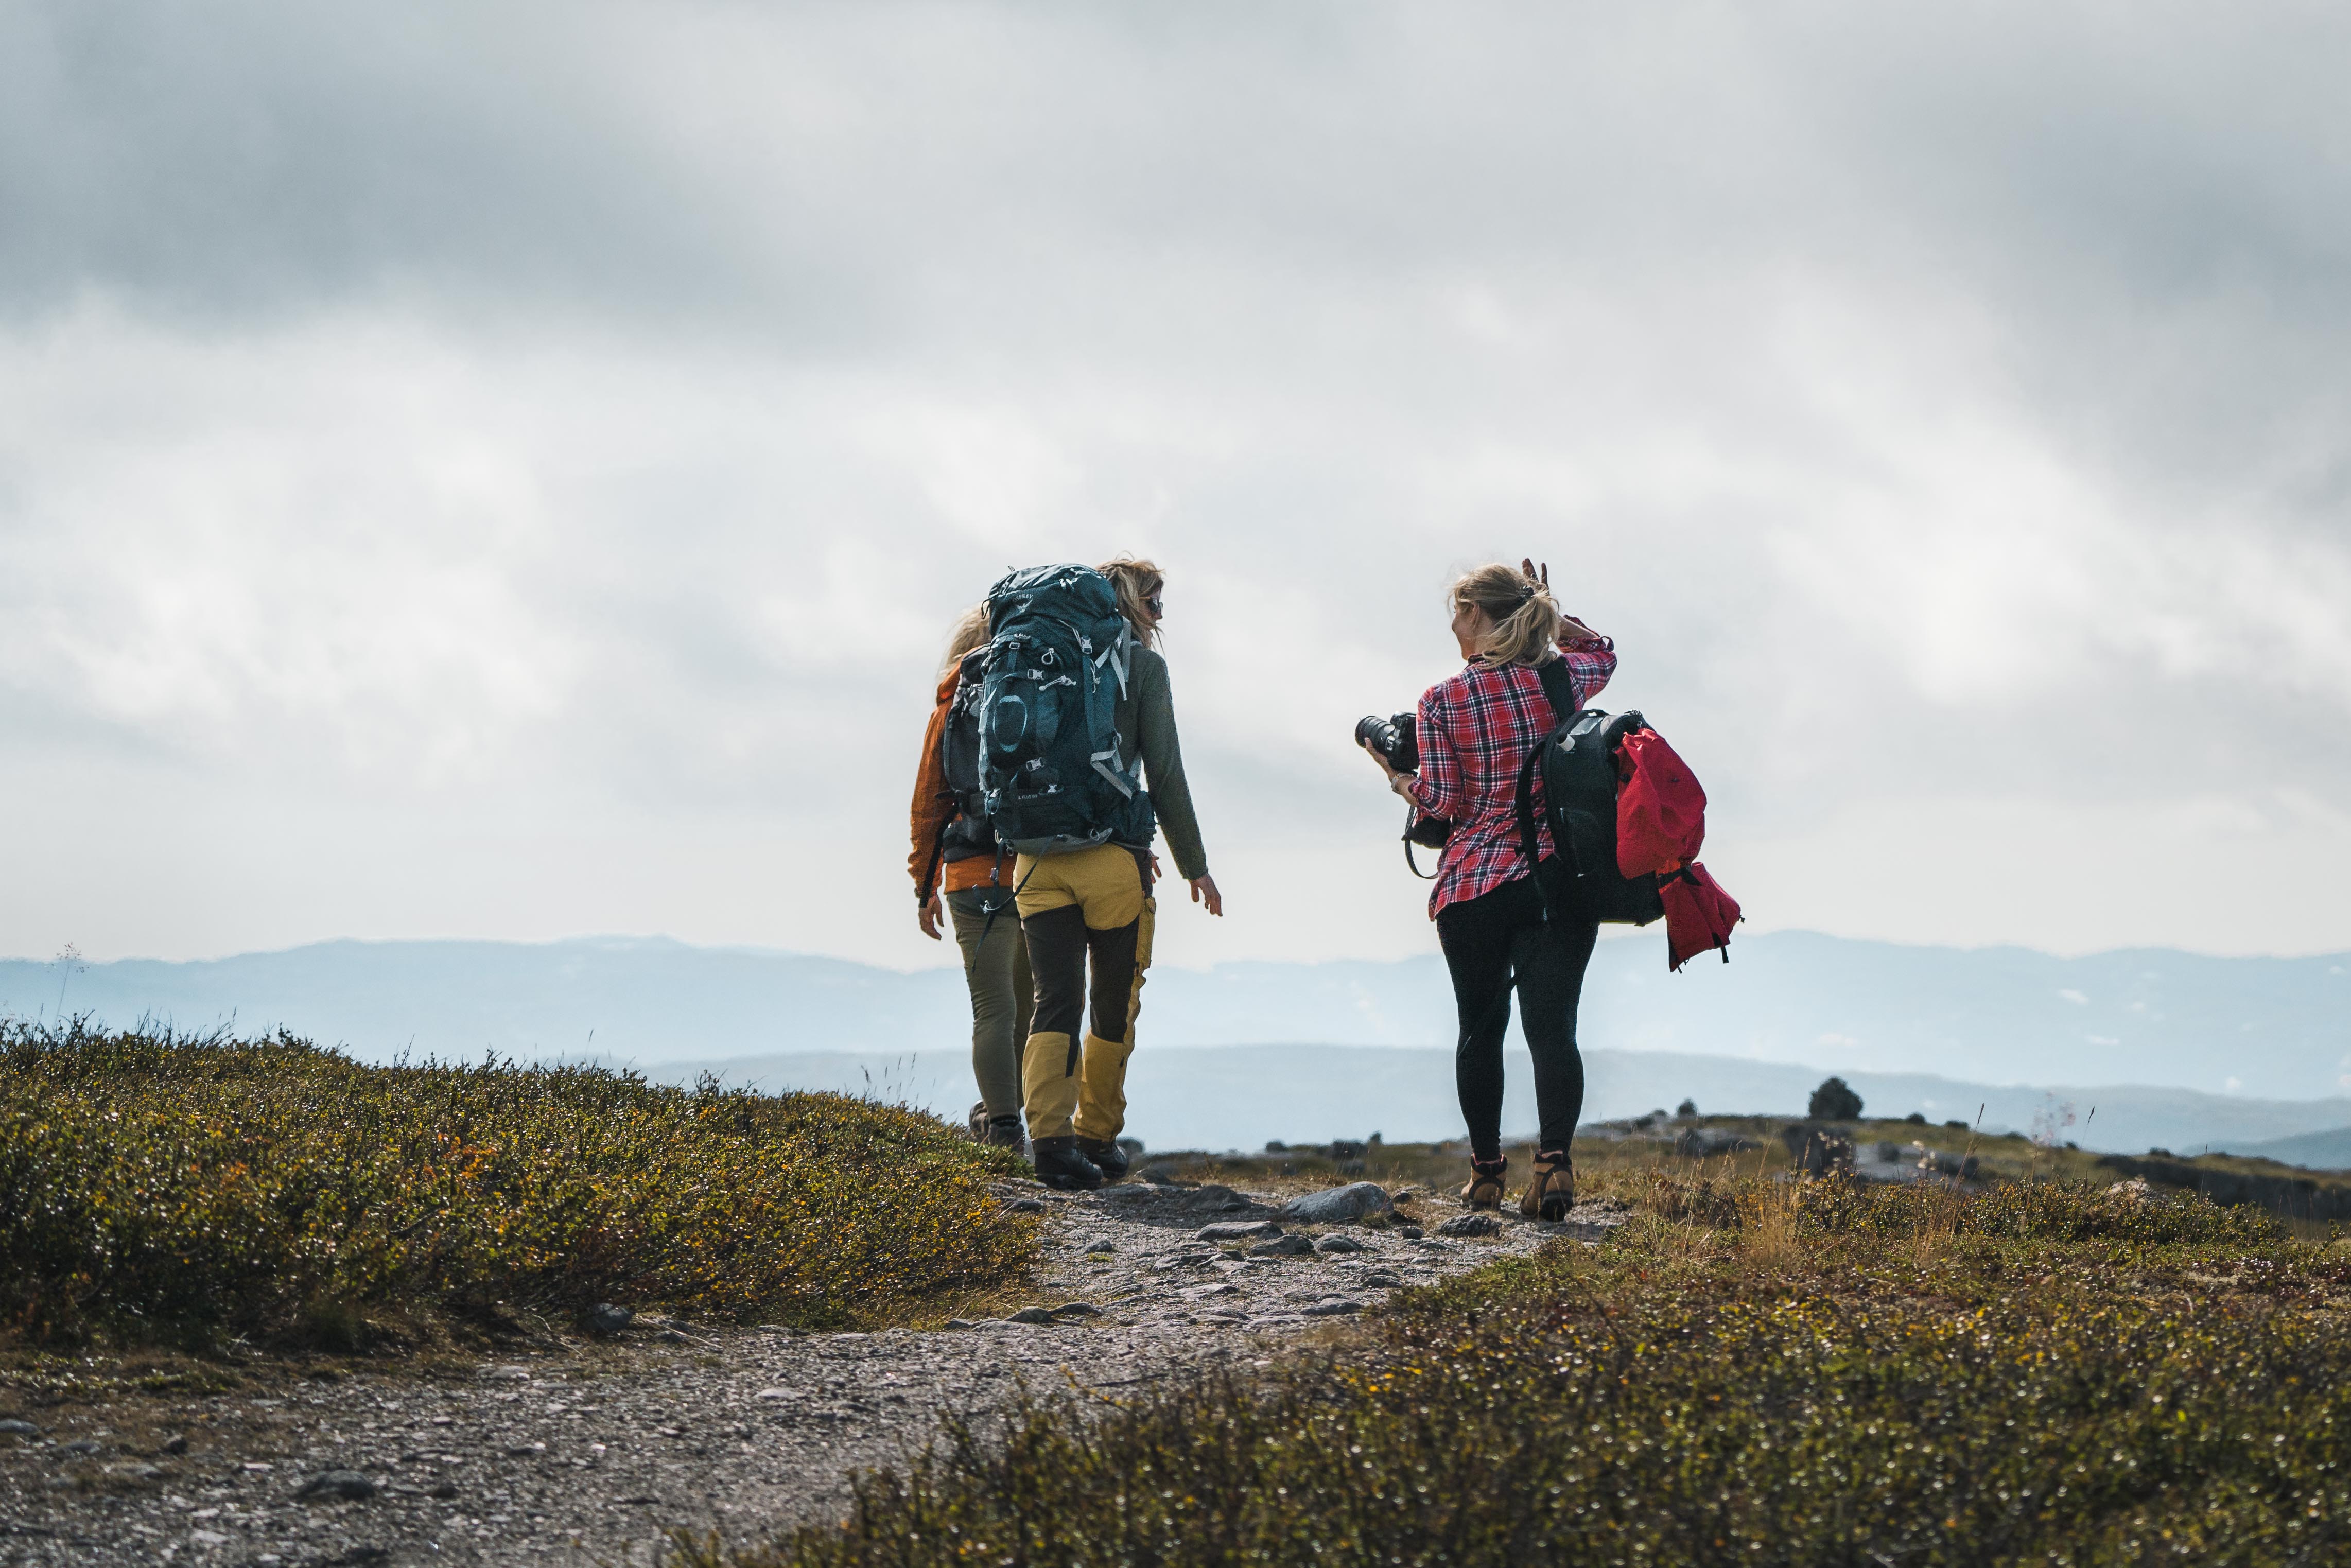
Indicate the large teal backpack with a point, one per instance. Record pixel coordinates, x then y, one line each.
1052 778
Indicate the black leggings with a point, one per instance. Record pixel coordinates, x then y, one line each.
1490 941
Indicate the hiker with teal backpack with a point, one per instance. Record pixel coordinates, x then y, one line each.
1071 719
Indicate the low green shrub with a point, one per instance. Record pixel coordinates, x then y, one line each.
2038 1390
180 1191
2027 1211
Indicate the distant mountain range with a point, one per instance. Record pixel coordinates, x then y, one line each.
2231 1041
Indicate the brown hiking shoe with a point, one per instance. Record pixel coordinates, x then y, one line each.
1552 1193
1485 1188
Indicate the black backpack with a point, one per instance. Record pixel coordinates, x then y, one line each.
1578 764
968 835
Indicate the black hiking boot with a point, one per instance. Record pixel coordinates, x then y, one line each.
1106 1155
1061 1166
1004 1133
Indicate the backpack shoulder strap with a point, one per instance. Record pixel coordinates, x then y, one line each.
1560 687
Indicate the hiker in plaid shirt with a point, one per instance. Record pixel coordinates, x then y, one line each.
1475 730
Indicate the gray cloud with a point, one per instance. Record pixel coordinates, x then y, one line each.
527 439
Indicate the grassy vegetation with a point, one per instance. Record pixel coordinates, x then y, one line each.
1755 1372
182 1192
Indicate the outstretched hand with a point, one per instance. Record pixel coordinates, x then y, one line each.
1204 891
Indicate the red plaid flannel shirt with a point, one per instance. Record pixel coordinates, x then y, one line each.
1476 729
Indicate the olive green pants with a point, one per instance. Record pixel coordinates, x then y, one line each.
996 970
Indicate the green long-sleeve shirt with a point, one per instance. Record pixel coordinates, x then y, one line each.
1146 719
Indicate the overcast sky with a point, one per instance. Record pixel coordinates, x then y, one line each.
507 470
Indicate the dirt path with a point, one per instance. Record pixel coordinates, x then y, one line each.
590 1453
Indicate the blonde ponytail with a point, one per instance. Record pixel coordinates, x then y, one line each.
1527 619
1136 581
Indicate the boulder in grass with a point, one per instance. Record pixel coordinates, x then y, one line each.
1338 1204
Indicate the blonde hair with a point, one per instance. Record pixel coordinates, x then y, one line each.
1136 580
970 632
1527 619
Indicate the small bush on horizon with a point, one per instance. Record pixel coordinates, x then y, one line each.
166 1189
1834 1100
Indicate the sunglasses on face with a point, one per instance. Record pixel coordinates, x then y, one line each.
1153 605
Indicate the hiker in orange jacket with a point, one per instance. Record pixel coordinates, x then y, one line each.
957 867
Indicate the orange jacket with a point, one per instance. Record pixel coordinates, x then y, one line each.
934 808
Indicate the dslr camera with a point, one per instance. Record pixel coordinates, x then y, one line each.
1397 738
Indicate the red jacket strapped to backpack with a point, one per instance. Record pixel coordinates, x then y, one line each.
1660 825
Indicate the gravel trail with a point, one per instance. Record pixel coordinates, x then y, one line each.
592 1451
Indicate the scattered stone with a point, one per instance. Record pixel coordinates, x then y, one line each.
511 1374
1339 1244
1070 1310
16 1428
174 1444
1410 1232
604 1318
80 1445
1472 1224
1283 1246
958 1323
1028 1315
1337 1307
1938 1162
1336 1205
1379 1279
1238 1230
1026 1205
777 1393
338 1486
1817 1151
442 1490
1700 1142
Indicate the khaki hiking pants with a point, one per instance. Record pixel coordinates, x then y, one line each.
996 972
1092 904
